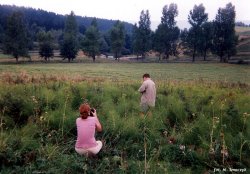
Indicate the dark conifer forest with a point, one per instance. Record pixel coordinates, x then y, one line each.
51 20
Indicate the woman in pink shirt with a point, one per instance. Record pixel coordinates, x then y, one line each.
87 124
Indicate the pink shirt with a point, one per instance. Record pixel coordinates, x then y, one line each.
86 132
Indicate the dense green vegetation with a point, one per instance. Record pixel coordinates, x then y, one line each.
215 37
200 122
52 21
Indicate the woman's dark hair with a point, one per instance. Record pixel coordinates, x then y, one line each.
146 75
84 110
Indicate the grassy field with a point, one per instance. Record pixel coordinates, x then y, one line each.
244 42
134 71
243 31
200 122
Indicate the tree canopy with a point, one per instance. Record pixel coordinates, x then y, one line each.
46 45
91 41
117 36
167 33
197 17
69 47
225 39
15 39
142 34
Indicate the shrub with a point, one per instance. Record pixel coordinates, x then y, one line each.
185 157
16 107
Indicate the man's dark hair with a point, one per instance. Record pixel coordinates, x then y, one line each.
146 75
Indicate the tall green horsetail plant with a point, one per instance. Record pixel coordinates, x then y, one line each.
1 121
242 143
64 110
145 148
145 140
36 108
215 120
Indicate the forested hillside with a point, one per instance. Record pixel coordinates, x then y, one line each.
50 20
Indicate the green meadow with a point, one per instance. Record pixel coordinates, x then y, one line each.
133 71
200 122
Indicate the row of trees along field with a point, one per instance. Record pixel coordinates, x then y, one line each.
217 37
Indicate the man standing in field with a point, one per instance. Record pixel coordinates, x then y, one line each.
148 92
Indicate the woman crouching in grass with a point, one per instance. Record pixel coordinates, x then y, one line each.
87 124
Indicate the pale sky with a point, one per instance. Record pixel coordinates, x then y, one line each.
129 10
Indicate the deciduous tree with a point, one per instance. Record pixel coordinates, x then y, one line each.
135 41
206 39
15 39
117 36
46 45
225 39
91 42
69 47
142 34
197 17
167 33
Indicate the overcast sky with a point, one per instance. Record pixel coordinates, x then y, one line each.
129 10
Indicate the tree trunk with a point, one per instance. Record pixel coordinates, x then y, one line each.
221 57
143 56
228 56
116 55
174 53
221 53
225 59
16 59
194 54
93 58
205 54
